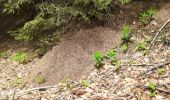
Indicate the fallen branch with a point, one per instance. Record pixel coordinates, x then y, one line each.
157 34
156 66
38 88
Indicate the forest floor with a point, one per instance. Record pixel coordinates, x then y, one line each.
139 76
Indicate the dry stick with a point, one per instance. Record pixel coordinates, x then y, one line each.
162 90
157 34
33 89
156 67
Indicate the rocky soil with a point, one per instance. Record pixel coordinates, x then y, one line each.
130 81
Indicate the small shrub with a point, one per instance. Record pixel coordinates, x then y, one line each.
146 16
84 83
98 58
20 57
111 54
39 79
3 54
141 46
124 47
126 33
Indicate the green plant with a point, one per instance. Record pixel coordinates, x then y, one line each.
16 82
124 47
84 83
3 54
126 33
124 1
141 46
160 71
111 54
53 15
116 64
146 16
98 58
39 79
152 89
20 57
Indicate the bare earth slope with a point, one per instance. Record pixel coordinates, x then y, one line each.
70 59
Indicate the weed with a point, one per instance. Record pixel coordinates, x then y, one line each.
16 82
111 54
124 1
126 33
124 47
98 58
116 64
160 71
146 16
84 83
20 57
3 54
152 89
141 46
39 79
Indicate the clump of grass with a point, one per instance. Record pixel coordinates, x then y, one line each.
124 1
160 71
141 46
16 82
39 79
124 47
20 57
145 17
116 64
84 83
111 54
98 58
3 54
126 33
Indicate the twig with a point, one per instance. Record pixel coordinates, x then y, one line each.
137 65
38 88
157 34
154 68
162 90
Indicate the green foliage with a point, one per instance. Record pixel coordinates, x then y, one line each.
84 83
124 47
111 54
124 1
53 15
17 82
116 64
98 58
126 33
160 71
141 46
146 16
20 57
39 79
3 54
152 88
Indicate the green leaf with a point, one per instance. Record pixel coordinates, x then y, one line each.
152 94
152 86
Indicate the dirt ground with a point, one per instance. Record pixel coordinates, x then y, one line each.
71 58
